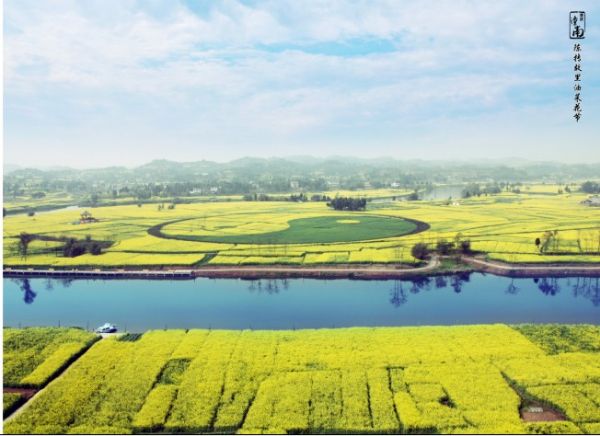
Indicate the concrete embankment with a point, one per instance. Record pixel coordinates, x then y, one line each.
359 272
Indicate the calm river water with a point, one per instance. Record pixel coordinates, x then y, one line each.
138 305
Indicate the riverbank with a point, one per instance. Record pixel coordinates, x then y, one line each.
435 266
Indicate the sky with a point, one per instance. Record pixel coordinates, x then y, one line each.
92 83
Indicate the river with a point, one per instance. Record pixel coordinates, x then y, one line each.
139 305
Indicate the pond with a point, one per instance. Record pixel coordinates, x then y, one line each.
138 305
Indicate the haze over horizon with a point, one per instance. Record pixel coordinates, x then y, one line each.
508 162
93 83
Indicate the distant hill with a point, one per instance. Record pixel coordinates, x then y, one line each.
8 168
305 173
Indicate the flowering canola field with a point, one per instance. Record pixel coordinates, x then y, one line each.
33 355
460 379
504 226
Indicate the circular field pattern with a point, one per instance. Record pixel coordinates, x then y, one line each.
323 229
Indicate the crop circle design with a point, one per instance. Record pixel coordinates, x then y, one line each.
313 230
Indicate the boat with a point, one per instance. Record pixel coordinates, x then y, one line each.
107 328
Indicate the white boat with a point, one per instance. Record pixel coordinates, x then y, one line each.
107 328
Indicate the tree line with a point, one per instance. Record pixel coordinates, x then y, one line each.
348 203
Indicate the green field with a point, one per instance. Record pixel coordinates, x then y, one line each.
504 226
460 379
309 230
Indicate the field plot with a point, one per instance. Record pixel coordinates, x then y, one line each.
302 230
32 355
504 226
462 379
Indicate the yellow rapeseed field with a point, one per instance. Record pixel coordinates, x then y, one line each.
460 379
504 226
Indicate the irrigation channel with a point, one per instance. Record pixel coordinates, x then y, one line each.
139 304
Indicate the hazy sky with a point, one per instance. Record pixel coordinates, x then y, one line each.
103 82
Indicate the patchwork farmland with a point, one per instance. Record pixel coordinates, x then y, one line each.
504 227
471 379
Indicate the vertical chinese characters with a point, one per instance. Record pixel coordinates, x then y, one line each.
577 81
577 25
577 31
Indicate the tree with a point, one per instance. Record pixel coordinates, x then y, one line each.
95 248
444 247
550 239
471 190
465 246
420 251
94 199
31 213
85 216
590 187
24 241
73 248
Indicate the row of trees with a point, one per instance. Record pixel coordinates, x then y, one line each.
75 247
475 190
301 197
348 203
590 187
72 247
421 250
162 206
588 241
338 203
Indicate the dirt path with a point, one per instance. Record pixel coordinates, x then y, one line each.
28 397
373 272
513 270
542 416
248 272
341 271
26 393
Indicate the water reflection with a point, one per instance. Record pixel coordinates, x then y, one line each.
397 294
300 303
268 286
28 293
512 289
587 287
398 291
458 280
548 285
584 287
